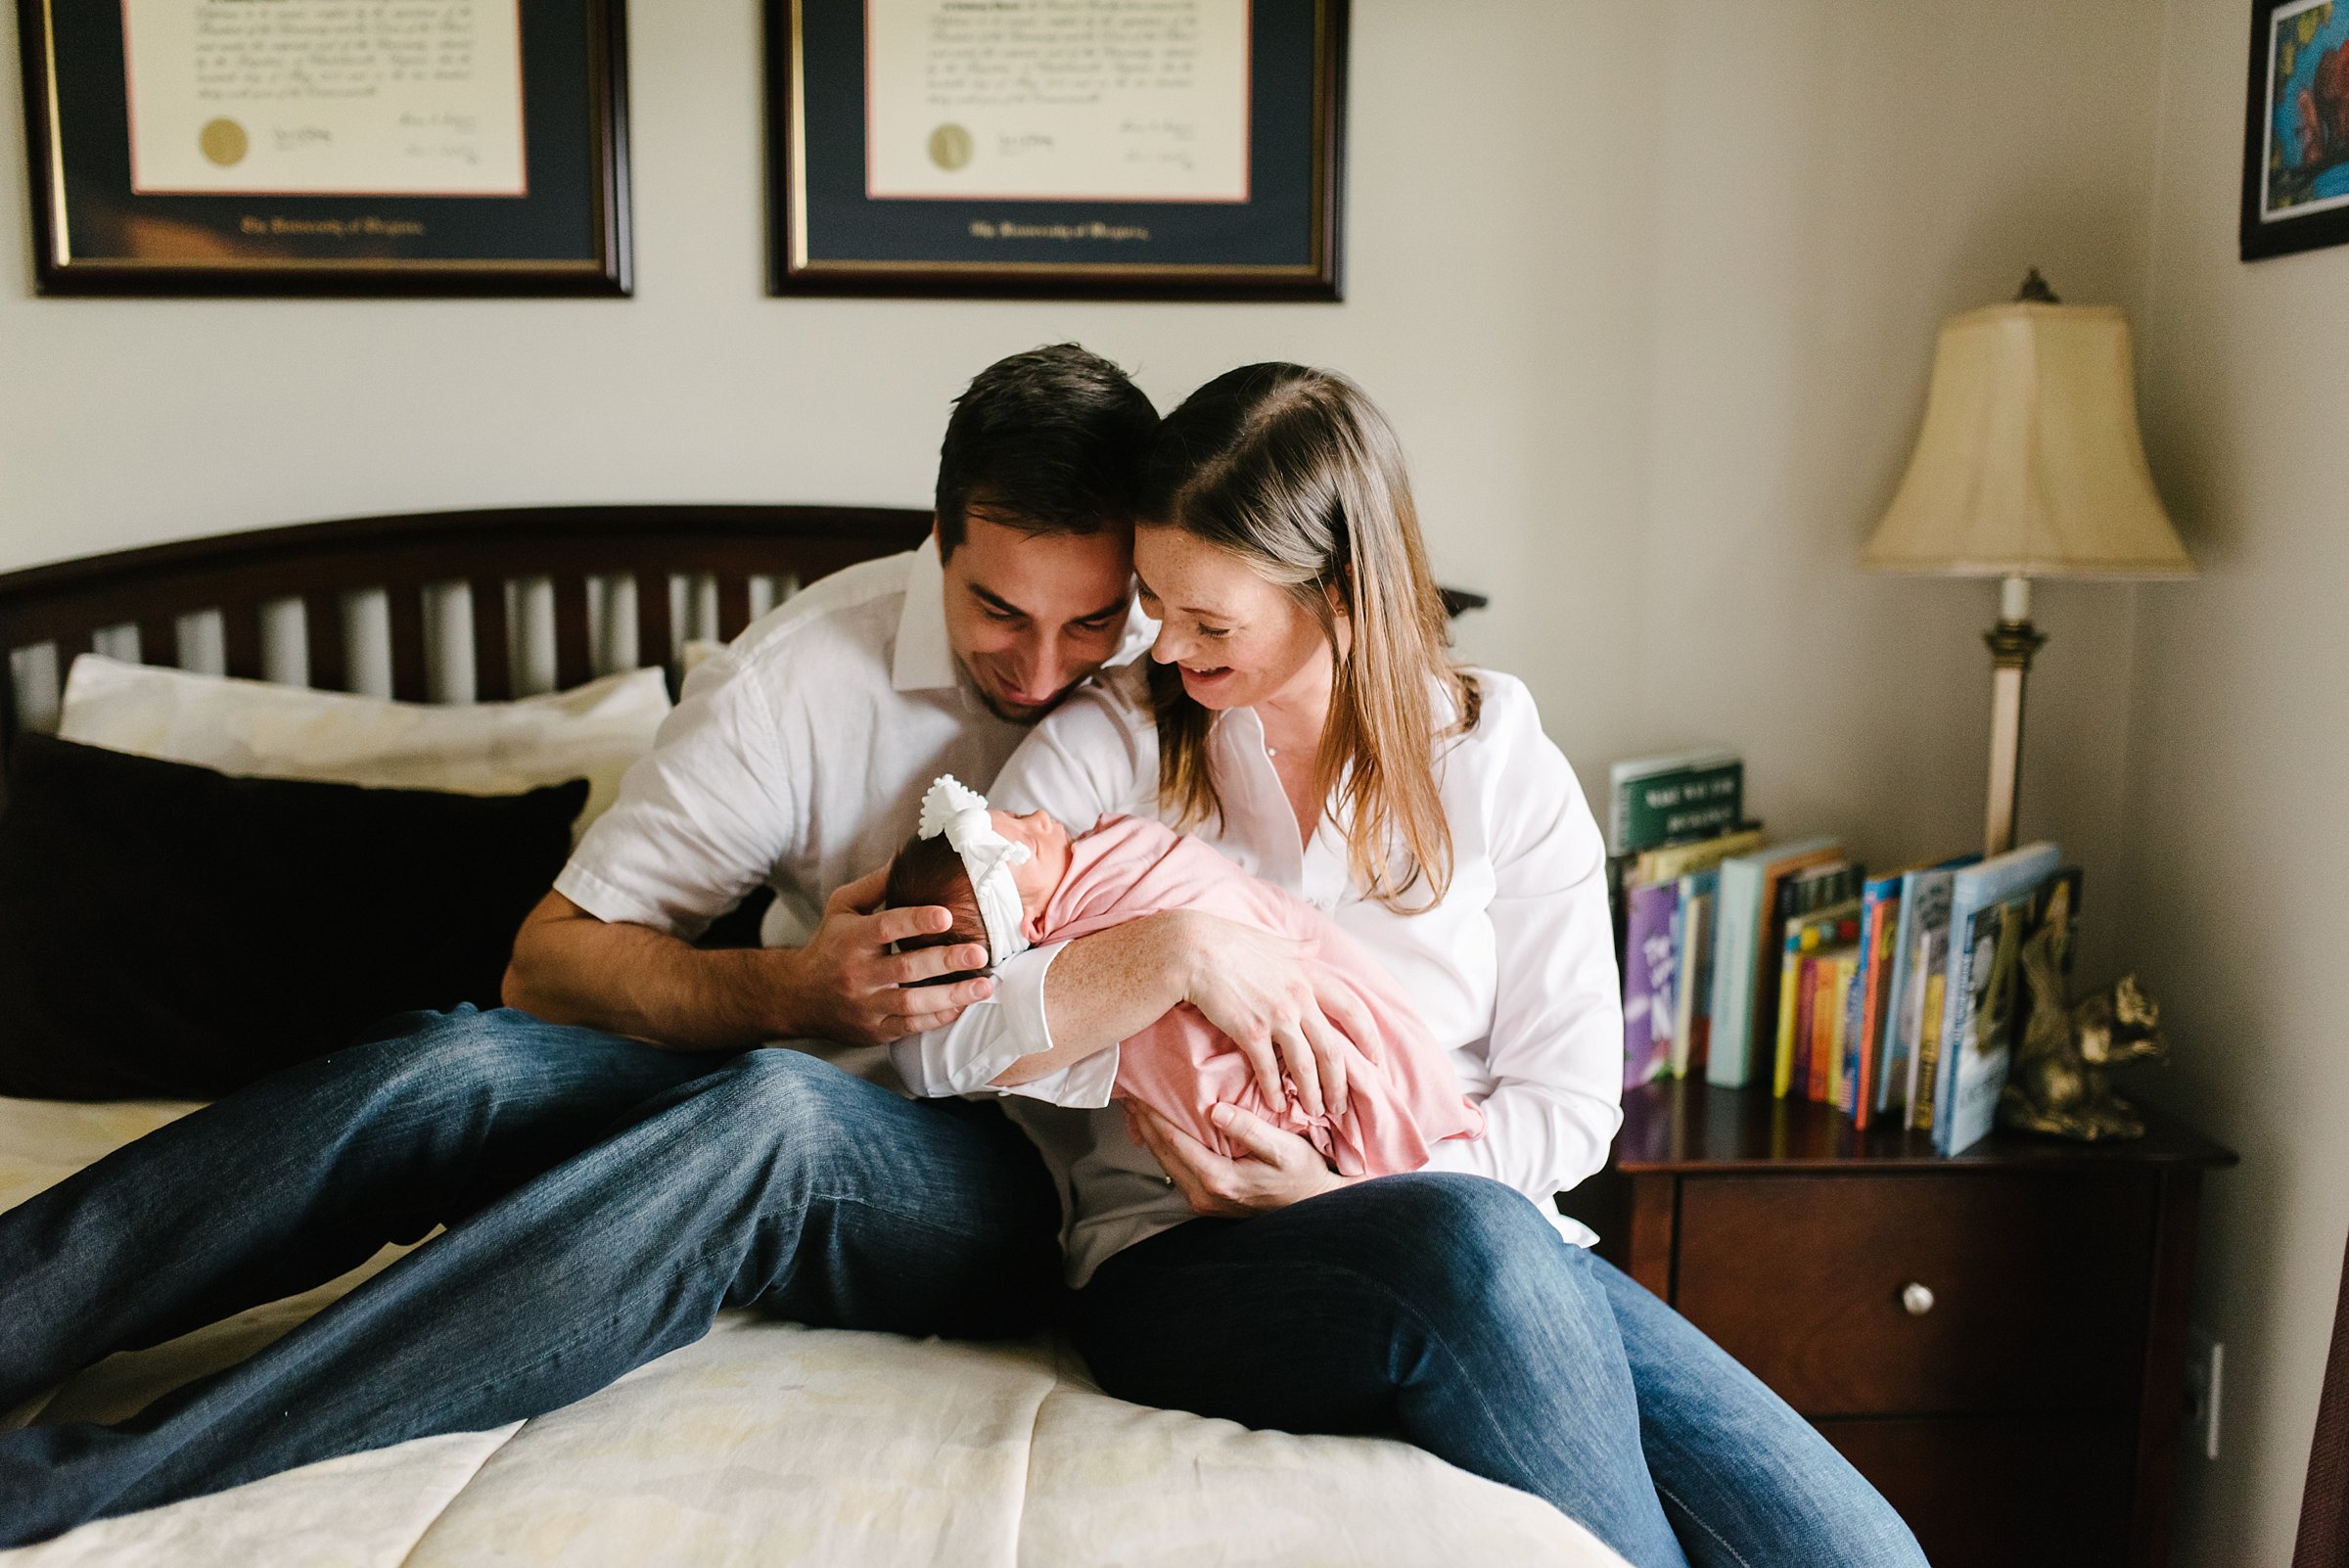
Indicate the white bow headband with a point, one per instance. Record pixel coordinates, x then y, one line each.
957 811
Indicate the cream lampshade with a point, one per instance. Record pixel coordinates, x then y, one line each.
2029 465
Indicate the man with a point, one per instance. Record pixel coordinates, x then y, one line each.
616 1168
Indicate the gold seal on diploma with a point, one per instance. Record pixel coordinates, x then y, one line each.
223 141
950 147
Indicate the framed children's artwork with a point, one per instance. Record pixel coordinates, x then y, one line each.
328 146
1139 149
2296 135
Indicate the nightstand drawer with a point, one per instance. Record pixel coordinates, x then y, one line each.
2033 1287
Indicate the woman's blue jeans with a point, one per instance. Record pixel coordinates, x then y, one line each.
1445 1309
603 1200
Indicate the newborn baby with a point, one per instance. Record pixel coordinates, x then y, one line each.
1015 881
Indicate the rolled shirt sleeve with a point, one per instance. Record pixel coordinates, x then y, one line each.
702 817
965 1056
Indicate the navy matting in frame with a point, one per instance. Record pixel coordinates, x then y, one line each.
828 236
570 234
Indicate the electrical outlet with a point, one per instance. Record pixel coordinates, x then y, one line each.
2205 1383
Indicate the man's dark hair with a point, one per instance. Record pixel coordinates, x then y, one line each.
1049 441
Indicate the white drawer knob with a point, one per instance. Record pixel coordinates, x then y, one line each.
1916 1300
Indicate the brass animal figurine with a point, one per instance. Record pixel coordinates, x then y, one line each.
2058 1082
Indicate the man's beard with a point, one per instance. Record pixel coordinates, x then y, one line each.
1023 717
1009 713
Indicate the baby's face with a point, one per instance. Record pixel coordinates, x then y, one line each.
1047 856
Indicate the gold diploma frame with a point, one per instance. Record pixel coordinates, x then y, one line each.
302 147
1135 149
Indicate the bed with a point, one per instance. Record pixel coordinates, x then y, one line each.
766 1443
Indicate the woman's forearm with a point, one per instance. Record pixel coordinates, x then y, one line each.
1262 993
1107 987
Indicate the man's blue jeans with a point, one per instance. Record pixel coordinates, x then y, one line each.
603 1200
1445 1309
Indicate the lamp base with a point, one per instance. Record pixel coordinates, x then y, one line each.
2012 643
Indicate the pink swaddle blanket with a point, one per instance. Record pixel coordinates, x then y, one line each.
1401 1097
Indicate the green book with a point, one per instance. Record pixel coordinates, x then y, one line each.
1687 795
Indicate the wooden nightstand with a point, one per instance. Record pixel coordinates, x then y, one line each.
1998 1341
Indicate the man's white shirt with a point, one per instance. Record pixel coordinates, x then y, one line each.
798 758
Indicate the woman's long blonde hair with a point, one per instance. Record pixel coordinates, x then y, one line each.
1297 473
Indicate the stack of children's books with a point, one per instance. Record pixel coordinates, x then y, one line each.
1894 997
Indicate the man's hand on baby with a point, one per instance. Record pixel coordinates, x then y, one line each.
1281 1009
1275 1170
849 986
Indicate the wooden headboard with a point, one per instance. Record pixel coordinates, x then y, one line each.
446 605
294 603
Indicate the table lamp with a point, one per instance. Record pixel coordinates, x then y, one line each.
2029 465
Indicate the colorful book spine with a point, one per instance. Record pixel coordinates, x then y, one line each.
1829 1033
1668 863
1648 968
1737 923
1806 934
1807 887
1790 1000
1864 1024
1747 883
1803 1004
1693 1003
1924 904
1928 1037
1818 1047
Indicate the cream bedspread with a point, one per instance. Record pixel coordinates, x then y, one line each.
771 1444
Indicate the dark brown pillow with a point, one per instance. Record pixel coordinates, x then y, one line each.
169 931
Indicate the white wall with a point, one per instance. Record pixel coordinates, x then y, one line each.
2236 860
1650 292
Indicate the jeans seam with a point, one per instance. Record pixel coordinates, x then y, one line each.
1674 1498
1436 1337
833 1199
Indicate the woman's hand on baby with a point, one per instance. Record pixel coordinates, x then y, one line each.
1277 1168
1283 1010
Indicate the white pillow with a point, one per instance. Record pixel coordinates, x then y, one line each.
254 728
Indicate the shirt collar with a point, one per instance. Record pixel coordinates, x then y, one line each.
923 660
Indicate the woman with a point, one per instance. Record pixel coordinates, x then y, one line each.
1302 715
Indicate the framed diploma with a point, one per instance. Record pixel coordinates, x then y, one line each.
327 146
1143 148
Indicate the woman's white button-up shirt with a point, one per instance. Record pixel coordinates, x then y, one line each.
1514 972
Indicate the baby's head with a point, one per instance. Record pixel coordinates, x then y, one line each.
930 871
